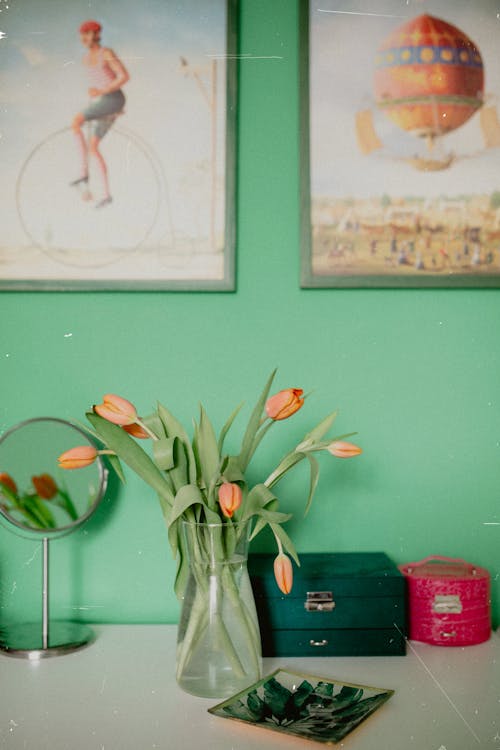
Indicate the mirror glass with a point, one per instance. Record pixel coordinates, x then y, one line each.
36 495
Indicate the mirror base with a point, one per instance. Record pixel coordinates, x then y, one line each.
25 641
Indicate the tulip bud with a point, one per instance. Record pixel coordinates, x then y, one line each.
341 449
136 431
284 403
116 410
283 572
45 486
78 458
7 481
229 498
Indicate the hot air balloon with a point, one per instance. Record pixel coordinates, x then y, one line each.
428 80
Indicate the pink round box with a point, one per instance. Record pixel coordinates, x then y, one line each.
448 601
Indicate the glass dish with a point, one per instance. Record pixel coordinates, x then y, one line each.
310 707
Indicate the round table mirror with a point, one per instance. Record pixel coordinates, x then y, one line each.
41 501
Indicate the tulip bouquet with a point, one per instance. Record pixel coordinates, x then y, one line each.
208 505
32 508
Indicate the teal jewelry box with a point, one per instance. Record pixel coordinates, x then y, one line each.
341 604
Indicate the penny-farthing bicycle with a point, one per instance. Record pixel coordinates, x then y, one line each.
64 223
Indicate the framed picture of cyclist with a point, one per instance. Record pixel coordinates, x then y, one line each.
118 145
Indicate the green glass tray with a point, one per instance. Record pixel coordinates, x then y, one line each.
307 706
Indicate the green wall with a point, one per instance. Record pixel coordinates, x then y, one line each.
415 372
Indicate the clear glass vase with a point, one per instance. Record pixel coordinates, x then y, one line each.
218 643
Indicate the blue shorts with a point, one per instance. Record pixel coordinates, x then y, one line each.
102 112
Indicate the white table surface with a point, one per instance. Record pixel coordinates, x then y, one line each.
120 694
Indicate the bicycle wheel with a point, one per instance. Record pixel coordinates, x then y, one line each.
64 223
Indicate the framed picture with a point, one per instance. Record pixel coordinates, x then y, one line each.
118 145
400 153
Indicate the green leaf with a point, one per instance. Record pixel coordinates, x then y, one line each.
227 427
322 428
258 497
155 424
254 424
268 517
6 491
165 506
260 524
182 574
163 452
208 451
132 454
187 496
260 435
39 510
173 531
313 481
274 516
180 473
64 501
174 428
231 470
115 464
230 539
286 463
33 517
285 541
196 454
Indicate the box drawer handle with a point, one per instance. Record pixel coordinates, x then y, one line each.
453 634
324 642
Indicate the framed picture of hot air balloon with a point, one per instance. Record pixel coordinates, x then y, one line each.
400 152
118 145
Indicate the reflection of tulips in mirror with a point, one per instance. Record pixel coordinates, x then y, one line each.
35 507
45 486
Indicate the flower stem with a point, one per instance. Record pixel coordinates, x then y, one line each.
146 429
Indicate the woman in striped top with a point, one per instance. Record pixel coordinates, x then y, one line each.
107 75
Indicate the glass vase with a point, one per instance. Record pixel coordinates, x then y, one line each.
218 643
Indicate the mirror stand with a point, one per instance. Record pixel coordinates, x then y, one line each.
37 502
30 641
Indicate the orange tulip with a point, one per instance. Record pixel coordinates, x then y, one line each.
7 481
283 572
342 449
284 403
78 458
136 431
45 486
116 410
229 498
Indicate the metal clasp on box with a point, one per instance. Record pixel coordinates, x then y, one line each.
319 601
447 604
